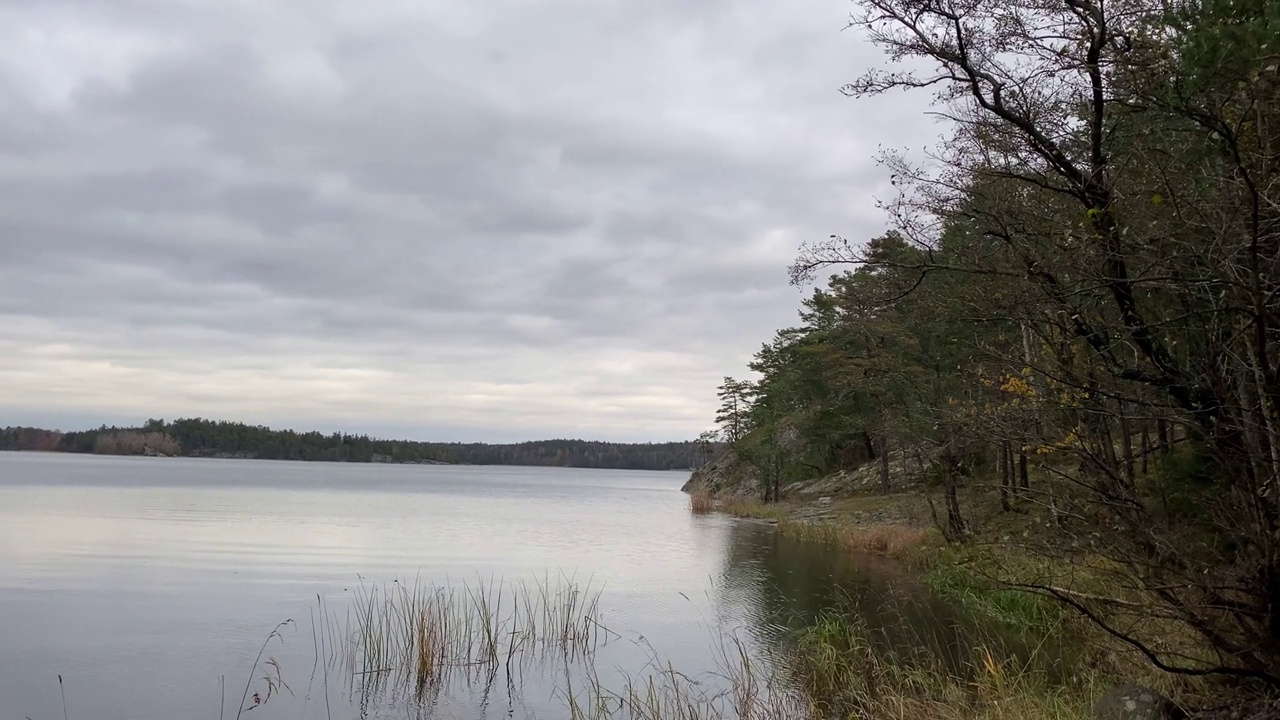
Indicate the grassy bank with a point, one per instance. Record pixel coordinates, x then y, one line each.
851 678
849 674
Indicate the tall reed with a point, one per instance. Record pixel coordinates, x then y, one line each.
420 637
701 502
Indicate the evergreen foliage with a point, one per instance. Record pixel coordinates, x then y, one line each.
197 437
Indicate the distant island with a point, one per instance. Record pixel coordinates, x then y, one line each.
198 437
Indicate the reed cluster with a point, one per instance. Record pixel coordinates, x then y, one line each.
701 502
421 636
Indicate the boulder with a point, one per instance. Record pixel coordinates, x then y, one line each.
1135 702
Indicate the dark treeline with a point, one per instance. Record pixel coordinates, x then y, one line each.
1076 311
198 437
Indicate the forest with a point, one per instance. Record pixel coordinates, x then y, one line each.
1074 312
198 437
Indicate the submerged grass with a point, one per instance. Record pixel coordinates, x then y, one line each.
740 688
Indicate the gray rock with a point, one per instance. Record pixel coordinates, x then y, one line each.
1135 702
725 477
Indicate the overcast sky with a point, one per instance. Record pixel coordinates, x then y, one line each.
436 219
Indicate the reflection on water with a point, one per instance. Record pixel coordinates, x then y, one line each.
785 583
150 585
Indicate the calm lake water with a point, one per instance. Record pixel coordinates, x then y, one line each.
150 583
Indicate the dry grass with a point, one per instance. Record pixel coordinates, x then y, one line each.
888 539
701 502
756 510
892 539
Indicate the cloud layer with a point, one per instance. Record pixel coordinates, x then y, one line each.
435 218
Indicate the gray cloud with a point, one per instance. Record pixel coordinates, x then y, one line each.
438 219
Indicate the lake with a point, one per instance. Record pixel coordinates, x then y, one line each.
150 584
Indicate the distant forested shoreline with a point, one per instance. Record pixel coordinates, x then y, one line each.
198 437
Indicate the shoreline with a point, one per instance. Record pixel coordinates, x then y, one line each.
973 576
230 456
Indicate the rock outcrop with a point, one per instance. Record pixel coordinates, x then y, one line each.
725 477
729 477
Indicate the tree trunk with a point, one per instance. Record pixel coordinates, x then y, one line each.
955 523
954 531
1146 448
1162 435
777 476
1107 449
884 463
1126 445
1006 473
1024 482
